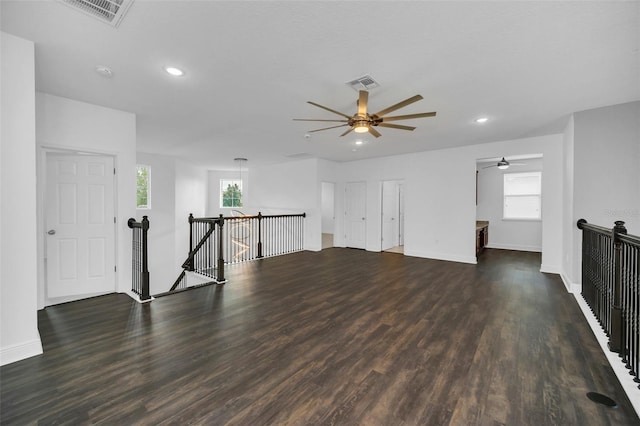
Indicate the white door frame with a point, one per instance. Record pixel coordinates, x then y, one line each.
41 211
324 204
363 221
398 211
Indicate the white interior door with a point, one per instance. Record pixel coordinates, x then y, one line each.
389 215
355 214
401 214
80 240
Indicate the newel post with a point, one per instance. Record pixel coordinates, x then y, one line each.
259 235
220 277
615 340
145 261
190 268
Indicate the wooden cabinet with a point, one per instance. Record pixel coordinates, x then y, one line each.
482 235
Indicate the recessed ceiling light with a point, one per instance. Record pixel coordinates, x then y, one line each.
359 142
104 71
481 120
176 72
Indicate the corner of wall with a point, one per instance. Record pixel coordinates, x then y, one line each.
18 352
574 288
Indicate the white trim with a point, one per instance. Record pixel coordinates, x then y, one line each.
514 247
626 380
571 287
441 256
135 297
20 351
41 189
550 269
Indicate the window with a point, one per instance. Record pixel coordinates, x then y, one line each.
143 186
230 193
522 195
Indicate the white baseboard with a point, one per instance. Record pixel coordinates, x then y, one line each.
441 256
136 297
626 380
550 269
571 287
514 247
21 351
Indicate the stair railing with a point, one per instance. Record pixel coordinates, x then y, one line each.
216 241
139 258
205 249
611 287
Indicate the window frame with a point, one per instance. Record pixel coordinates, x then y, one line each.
147 187
505 196
223 188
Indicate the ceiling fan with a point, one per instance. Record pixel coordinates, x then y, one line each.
362 121
504 164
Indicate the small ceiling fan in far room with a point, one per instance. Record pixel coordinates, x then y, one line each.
504 164
362 121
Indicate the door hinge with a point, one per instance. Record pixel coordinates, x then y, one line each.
114 219
114 170
115 269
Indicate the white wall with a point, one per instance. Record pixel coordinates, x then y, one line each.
569 236
65 124
606 178
164 268
19 337
191 192
607 165
506 234
289 188
440 211
328 207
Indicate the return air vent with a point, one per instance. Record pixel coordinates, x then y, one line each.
366 82
108 11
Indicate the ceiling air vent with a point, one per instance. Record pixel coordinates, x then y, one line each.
107 11
366 82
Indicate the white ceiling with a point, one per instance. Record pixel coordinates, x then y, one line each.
251 67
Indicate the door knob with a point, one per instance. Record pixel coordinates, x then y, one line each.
51 232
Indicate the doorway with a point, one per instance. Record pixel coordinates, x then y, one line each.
392 234
355 214
328 214
79 225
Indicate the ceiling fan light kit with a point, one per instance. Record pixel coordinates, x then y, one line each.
363 122
361 127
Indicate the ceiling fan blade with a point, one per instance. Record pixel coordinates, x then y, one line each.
362 103
399 105
315 119
347 132
327 128
517 164
409 116
396 126
374 132
488 167
329 109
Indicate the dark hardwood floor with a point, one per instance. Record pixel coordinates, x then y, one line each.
336 337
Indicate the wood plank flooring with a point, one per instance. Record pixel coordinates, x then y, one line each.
329 338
